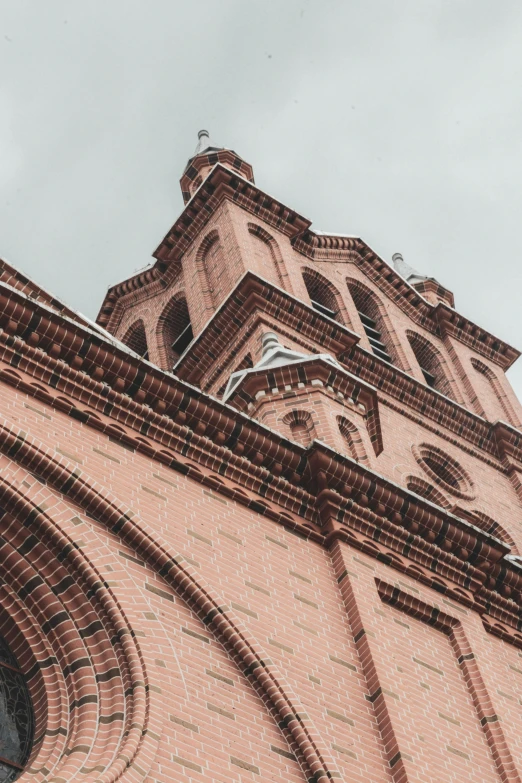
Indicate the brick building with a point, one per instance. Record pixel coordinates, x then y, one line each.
262 521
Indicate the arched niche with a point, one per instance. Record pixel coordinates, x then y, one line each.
211 264
136 339
268 256
492 397
352 438
301 426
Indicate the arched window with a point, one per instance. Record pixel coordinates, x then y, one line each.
301 426
136 339
432 364
351 437
373 322
323 295
444 470
175 331
16 717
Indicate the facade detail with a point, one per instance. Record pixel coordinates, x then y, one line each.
262 521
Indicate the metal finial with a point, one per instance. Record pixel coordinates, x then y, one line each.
203 142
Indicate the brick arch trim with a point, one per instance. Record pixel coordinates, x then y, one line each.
446 382
353 439
313 278
312 753
392 342
83 648
136 338
268 239
499 392
296 420
210 296
168 314
447 470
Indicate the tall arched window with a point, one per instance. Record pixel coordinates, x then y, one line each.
174 330
373 322
136 339
432 364
16 717
323 295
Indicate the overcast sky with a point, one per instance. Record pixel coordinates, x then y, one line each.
400 122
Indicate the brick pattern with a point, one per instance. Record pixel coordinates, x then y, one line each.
314 581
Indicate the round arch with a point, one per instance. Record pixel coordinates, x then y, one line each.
324 296
174 331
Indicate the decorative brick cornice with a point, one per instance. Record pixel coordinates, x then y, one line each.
317 492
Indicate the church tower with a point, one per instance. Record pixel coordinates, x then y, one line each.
263 519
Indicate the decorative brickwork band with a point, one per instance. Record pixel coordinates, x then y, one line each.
96 718
303 738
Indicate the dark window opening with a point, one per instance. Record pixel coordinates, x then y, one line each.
374 337
430 365
177 329
16 717
429 378
183 341
324 310
443 470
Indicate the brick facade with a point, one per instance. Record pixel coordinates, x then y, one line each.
314 577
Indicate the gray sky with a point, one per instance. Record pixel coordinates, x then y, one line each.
398 121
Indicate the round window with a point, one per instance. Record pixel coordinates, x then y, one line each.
444 470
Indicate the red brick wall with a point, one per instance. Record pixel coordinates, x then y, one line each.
301 606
